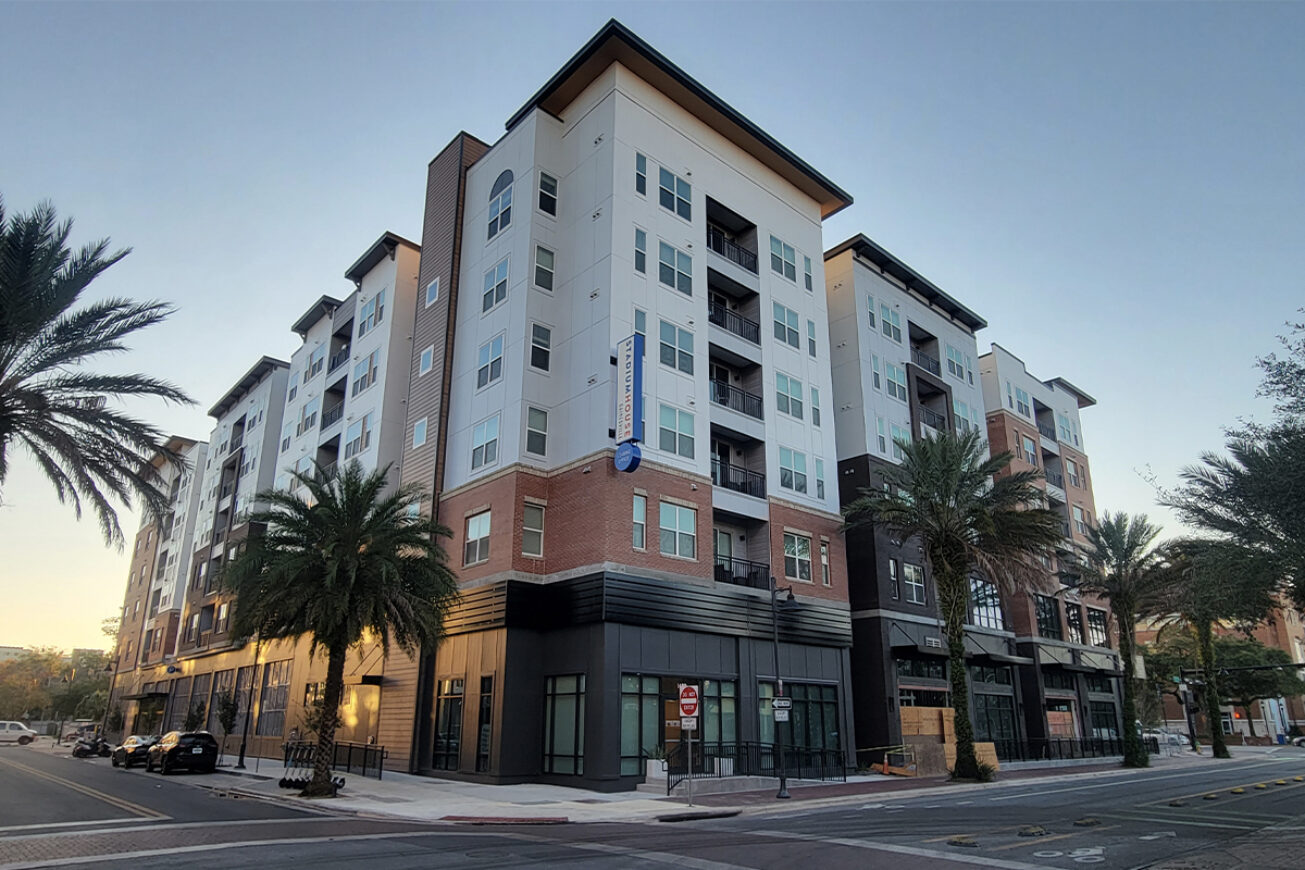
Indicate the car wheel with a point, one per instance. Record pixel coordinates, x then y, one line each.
149 765
24 740
164 767
113 760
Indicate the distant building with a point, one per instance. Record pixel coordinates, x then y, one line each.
11 652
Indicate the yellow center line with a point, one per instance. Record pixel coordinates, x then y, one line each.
1219 790
112 800
1034 841
991 831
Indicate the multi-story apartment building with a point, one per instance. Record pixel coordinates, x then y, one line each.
904 367
624 199
1070 686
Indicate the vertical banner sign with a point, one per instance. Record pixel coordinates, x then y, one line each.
629 402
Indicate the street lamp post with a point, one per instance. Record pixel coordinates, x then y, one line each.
112 668
779 681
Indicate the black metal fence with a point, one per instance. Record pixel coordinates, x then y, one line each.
734 322
739 400
364 759
721 760
1058 748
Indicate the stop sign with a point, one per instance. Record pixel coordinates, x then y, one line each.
688 701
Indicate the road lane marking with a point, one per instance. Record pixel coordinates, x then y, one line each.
1194 824
113 800
1114 783
954 856
44 825
971 834
658 857
1239 795
1037 841
162 825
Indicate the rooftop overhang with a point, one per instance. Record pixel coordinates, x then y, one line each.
247 382
174 445
866 247
383 247
1084 400
323 307
616 43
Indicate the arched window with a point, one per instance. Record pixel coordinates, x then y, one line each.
500 203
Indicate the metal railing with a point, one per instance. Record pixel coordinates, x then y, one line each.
738 479
1057 748
722 760
736 254
1055 478
1048 430
926 362
333 415
933 419
338 358
234 444
731 321
741 572
364 759
736 400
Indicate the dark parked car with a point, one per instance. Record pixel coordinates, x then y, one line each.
189 750
133 750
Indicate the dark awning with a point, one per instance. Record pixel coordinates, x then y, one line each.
141 696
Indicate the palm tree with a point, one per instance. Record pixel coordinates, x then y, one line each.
63 415
1123 567
342 562
947 495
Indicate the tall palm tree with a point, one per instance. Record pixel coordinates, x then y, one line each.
341 562
947 495
63 415
1123 566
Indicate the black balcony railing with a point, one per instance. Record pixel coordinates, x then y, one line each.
234 444
933 419
333 415
926 362
740 256
741 572
1055 478
721 760
737 478
733 322
1048 430
1058 748
338 358
735 399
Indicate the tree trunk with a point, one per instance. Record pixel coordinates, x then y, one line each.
1135 754
324 754
953 598
1205 649
1250 718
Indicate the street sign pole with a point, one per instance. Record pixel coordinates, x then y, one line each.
689 702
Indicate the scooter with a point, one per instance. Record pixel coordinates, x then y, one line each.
89 747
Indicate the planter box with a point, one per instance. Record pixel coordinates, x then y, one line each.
654 768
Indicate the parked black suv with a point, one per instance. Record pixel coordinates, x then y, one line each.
189 750
133 750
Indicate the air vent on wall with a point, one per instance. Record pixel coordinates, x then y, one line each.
933 642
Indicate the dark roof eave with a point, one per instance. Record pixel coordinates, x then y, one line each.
616 42
875 253
380 249
323 307
246 383
1084 400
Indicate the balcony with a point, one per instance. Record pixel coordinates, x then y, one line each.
735 399
738 479
236 441
741 572
332 416
339 358
1047 430
736 254
926 362
933 419
735 323
1055 478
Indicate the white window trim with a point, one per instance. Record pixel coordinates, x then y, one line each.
431 300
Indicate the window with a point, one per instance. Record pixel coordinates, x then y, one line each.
811 337
543 268
999 676
541 344
913 579
427 361
825 577
890 322
788 395
815 407
792 470
316 362
484 443
532 530
896 377
1080 520
813 719
1063 431
674 193
537 431
874 368
955 363
272 699
358 437
371 314
679 530
308 415
985 605
641 326
1060 680
564 724
870 309
500 204
1071 472
223 617
786 325
900 436
675 268
675 431
1030 450
1074 622
489 362
485 725
640 515
676 347
820 478
921 669
640 174
1098 635
365 373
1022 403
962 413
640 251
476 549
547 194
1048 613
495 285
432 292
806 277
641 717
783 259
797 557
448 724
1099 683
419 432
883 439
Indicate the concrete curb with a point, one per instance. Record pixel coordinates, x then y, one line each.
506 820
693 816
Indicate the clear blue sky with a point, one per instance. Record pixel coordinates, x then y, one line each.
1117 188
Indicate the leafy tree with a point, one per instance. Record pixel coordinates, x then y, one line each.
195 717
1284 377
227 707
1123 567
1244 688
26 682
346 561
946 493
64 416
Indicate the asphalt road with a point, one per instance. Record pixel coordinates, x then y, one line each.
59 811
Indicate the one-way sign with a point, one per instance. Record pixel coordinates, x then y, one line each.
781 703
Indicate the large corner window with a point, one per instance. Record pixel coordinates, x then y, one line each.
1098 635
1048 614
564 725
985 605
448 725
500 204
272 699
